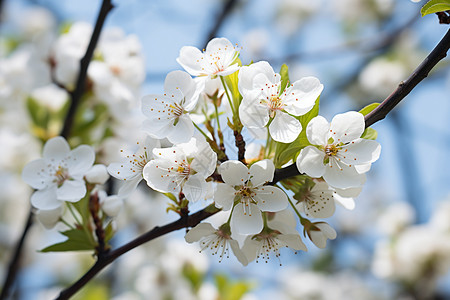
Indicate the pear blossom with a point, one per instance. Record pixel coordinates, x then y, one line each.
319 233
219 241
280 232
183 167
319 201
131 166
58 176
265 103
247 187
338 153
219 59
167 114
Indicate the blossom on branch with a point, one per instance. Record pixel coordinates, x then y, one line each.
58 176
219 59
338 153
246 186
265 103
183 167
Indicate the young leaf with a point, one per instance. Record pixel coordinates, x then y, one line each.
368 108
284 77
369 134
435 6
77 240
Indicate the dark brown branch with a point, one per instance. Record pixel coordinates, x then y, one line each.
94 208
240 144
80 87
227 8
404 88
108 258
14 263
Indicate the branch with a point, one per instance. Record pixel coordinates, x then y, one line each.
65 132
404 88
109 257
107 6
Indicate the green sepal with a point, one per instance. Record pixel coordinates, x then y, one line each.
368 108
77 240
284 77
369 134
435 6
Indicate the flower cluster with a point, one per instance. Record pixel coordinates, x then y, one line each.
191 161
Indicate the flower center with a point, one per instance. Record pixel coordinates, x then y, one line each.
331 150
61 175
176 110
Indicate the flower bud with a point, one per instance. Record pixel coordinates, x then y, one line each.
97 174
112 205
49 218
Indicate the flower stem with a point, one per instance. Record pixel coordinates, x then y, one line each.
228 95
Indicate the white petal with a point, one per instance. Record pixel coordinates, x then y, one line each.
342 176
50 217
71 190
204 158
158 177
128 186
112 205
45 199
319 238
195 188
301 96
322 203
190 59
35 174
219 44
348 203
360 152
182 81
80 160
350 192
248 221
284 128
262 172
284 221
182 132
98 174
293 241
310 161
247 73
363 168
224 196
198 232
56 149
250 248
253 114
347 127
238 252
317 131
234 172
270 198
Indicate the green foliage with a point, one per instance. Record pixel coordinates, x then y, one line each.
284 77
435 6
370 134
229 289
300 185
93 292
77 240
193 276
368 108
287 152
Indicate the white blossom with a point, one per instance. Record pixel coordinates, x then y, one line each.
319 233
167 114
98 174
218 241
264 101
183 167
131 166
219 59
247 186
338 153
58 176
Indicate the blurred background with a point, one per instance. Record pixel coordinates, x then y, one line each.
394 245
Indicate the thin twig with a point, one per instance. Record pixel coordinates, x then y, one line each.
240 144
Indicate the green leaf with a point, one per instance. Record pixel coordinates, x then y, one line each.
314 112
367 109
230 289
194 276
77 240
370 134
435 6
284 77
